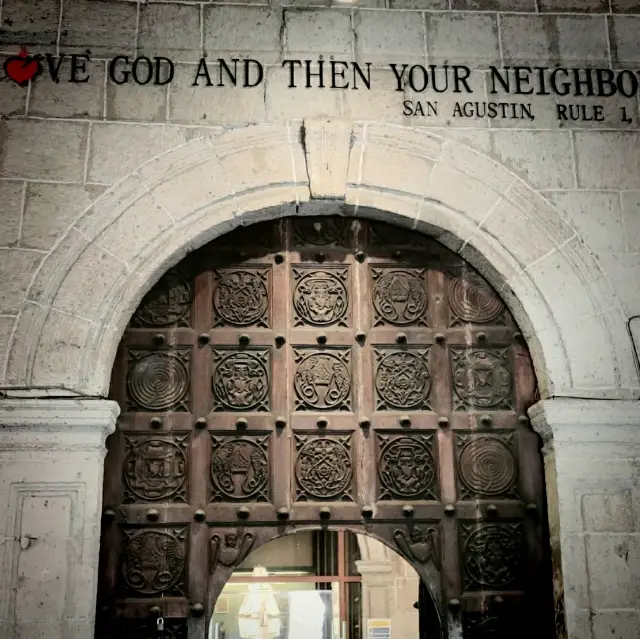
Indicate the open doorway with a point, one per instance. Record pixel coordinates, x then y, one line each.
319 585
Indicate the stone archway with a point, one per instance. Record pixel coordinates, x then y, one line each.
85 291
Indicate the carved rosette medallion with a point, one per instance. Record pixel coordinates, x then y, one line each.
487 466
155 469
167 304
241 380
402 380
323 467
240 297
481 379
472 299
399 296
492 555
322 380
405 467
319 231
153 561
239 468
158 381
487 626
320 297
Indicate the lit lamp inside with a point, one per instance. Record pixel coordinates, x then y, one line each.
259 616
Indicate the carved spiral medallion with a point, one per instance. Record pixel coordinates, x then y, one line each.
323 468
493 556
320 297
319 231
153 561
399 296
487 466
155 469
168 303
158 381
406 467
403 380
473 300
241 381
240 297
239 468
322 381
481 379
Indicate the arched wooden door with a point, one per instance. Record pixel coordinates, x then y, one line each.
323 371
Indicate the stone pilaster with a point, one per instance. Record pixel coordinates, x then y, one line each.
592 468
51 472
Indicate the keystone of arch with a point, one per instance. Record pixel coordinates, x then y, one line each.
88 287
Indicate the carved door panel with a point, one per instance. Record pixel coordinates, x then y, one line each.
323 371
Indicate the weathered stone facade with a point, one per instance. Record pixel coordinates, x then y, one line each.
103 186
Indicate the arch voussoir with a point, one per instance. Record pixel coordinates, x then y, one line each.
185 197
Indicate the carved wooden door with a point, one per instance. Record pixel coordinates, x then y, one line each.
323 372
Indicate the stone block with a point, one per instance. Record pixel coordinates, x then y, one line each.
7 322
43 150
606 512
574 572
91 276
135 228
252 160
607 160
283 103
50 209
27 331
13 98
428 5
170 30
386 37
16 270
118 149
623 34
192 188
476 139
394 204
614 567
625 6
215 104
309 32
528 6
618 624
543 158
104 28
11 204
326 145
573 6
595 215
381 103
630 202
22 26
244 32
56 359
623 270
547 40
64 100
461 192
133 102
466 38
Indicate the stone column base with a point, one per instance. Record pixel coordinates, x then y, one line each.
51 472
592 468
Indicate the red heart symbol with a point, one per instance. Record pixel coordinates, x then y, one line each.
22 68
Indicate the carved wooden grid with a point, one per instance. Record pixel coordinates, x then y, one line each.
322 366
